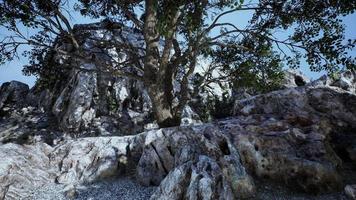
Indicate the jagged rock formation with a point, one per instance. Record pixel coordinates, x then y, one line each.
350 191
22 168
345 80
91 96
88 95
193 162
294 78
211 163
28 125
13 92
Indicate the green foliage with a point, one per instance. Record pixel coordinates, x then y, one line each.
318 31
252 56
255 66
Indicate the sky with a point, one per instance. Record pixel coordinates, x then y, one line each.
13 70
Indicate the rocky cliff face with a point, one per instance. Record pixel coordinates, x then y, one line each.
302 137
87 95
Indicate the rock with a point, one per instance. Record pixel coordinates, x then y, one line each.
345 80
193 162
325 102
87 91
189 117
13 92
28 125
350 191
352 152
22 168
71 163
89 159
294 78
190 161
272 148
308 131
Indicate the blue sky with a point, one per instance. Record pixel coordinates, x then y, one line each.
12 71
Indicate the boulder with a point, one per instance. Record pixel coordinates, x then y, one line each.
28 125
332 103
13 92
293 78
90 159
22 168
350 191
345 80
301 132
87 92
71 163
193 162
286 150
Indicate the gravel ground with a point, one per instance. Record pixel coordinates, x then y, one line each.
125 189
128 189
120 189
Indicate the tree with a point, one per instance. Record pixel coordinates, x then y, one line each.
177 32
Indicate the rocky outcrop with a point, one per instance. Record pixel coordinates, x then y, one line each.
298 132
333 103
193 162
345 80
28 125
87 95
210 160
89 159
13 92
22 168
293 78
212 163
350 191
286 150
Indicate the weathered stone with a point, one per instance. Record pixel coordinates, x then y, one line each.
326 102
293 78
350 191
193 162
88 159
27 125
13 92
23 168
297 133
345 80
285 154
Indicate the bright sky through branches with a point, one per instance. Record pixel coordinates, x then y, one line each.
12 71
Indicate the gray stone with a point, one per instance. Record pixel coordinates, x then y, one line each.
22 168
193 162
350 191
13 92
345 80
294 78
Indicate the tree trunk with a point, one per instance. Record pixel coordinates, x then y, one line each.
162 107
156 75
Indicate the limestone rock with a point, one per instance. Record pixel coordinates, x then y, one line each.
345 80
350 191
23 168
27 125
87 89
13 92
193 162
292 153
300 132
325 102
89 159
294 78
